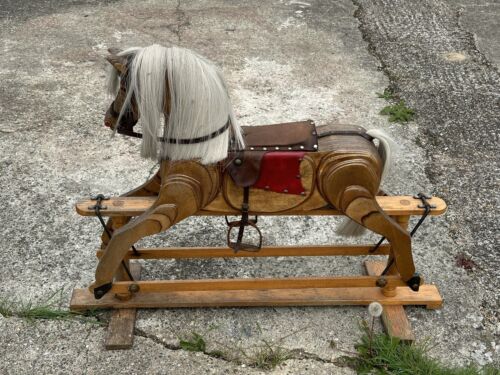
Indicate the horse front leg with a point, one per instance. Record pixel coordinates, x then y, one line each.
150 188
177 199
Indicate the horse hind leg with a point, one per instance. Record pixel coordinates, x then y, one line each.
351 186
364 209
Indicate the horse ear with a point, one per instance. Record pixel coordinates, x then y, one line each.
119 62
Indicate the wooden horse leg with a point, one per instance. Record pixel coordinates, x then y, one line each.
150 188
179 197
365 210
351 185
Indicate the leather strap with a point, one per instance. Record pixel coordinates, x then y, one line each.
241 224
346 132
181 141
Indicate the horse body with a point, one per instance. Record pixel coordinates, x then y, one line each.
344 173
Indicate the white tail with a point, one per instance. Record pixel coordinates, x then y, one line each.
386 150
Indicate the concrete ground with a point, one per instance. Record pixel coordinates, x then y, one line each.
283 61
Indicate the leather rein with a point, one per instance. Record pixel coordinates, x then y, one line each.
180 141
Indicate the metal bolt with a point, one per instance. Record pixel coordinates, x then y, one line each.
238 161
381 282
99 293
264 148
276 148
251 148
289 148
301 147
315 146
133 288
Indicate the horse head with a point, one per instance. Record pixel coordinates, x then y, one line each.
181 98
117 87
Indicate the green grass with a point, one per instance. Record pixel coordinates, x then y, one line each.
387 94
50 308
386 355
268 356
194 343
398 112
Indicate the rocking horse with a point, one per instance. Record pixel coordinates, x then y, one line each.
212 166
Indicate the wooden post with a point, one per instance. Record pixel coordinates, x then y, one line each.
394 317
121 327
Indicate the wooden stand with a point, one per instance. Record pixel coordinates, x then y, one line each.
125 295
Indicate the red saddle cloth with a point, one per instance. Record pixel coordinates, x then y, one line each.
280 172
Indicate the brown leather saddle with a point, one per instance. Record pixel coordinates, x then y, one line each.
244 166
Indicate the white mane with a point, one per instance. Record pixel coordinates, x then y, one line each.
200 103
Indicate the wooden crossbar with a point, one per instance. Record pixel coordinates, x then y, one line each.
403 205
267 251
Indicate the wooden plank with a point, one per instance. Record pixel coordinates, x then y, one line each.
394 318
134 206
122 287
121 327
270 251
82 299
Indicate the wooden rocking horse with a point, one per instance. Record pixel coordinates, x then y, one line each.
211 166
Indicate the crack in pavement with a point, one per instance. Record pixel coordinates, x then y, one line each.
181 21
296 353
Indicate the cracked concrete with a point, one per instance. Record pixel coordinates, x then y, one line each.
283 61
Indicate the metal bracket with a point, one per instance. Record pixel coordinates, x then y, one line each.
99 198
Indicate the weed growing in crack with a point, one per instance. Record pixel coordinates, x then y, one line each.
194 343
387 94
268 356
50 308
398 112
